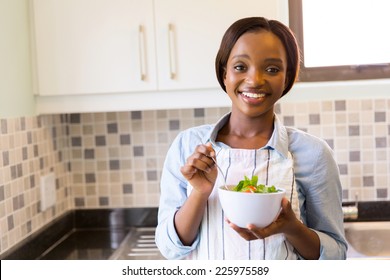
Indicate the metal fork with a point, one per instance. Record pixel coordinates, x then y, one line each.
220 170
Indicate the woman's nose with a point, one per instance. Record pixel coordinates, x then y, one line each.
255 77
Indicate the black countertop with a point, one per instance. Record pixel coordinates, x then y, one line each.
95 234
371 211
91 234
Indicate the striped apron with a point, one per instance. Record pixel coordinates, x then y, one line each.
220 242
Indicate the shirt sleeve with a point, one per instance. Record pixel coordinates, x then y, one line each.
173 195
320 194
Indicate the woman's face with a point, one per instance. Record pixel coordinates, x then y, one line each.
255 74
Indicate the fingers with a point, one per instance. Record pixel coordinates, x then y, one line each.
280 225
206 149
286 205
200 162
287 211
243 232
201 158
200 165
188 171
210 149
262 233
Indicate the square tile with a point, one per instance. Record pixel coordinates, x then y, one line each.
343 169
314 119
79 201
138 151
151 175
354 156
114 164
327 106
289 120
127 188
340 105
76 141
382 193
368 181
199 112
161 114
174 124
3 126
380 142
103 201
125 139
380 116
100 140
90 178
75 118
89 153
112 128
136 115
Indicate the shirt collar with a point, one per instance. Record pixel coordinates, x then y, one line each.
279 138
277 142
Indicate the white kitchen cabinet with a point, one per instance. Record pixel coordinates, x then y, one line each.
91 50
188 34
94 46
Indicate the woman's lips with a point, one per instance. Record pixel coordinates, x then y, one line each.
253 98
252 94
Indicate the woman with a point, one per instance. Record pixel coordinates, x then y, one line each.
256 65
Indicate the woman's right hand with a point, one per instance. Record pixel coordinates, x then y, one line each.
200 169
201 172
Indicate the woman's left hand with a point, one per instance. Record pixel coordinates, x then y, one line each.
303 239
282 224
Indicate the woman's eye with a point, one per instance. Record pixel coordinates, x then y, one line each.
239 67
272 69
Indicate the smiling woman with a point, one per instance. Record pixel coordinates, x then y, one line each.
16 97
256 65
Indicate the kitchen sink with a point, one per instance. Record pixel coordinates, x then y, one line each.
368 239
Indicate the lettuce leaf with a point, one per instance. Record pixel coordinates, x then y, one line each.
250 185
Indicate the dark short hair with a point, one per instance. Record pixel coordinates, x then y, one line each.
253 24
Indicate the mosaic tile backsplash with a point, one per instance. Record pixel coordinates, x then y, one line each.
106 160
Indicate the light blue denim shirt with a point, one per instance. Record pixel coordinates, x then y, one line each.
316 176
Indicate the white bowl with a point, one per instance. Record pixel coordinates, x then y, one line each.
259 209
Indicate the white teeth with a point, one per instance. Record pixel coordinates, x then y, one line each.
253 95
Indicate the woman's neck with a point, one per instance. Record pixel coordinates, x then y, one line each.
245 132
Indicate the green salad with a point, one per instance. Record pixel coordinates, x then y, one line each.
251 186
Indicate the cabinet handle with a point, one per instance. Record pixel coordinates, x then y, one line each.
142 52
171 45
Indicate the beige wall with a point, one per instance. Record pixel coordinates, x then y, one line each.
16 98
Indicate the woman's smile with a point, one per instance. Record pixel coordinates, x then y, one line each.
252 97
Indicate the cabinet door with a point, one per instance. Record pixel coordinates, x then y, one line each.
94 46
188 34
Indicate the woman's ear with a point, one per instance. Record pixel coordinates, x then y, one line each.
224 76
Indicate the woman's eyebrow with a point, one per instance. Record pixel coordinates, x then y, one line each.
240 56
274 60
270 59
